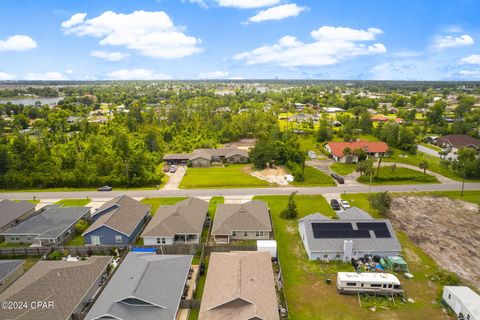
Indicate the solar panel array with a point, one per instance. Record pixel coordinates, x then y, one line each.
323 230
379 228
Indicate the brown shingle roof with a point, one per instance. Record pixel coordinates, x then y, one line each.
64 283
185 217
459 140
124 218
239 285
252 216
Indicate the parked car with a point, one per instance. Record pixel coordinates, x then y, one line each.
338 178
344 204
335 205
173 169
105 188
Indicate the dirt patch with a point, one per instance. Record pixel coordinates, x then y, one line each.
272 175
245 144
448 230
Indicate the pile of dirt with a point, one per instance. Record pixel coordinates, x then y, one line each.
448 230
272 175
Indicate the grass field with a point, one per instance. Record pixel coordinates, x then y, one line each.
308 295
343 169
157 202
398 176
232 176
314 177
73 202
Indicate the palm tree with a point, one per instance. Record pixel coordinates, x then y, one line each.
423 165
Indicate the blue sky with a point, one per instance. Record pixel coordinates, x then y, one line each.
240 39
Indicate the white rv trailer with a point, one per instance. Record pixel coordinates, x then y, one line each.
464 302
368 282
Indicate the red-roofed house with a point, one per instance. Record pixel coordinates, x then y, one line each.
373 149
379 118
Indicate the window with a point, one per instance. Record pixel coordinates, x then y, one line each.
337 256
257 233
325 256
468 317
375 285
234 233
245 233
261 233
118 239
159 240
351 284
449 296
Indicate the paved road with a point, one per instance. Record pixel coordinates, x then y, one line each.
434 153
238 192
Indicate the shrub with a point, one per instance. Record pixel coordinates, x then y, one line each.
380 202
55 255
291 211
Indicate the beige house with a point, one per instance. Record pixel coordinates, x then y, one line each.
205 157
179 223
247 221
239 286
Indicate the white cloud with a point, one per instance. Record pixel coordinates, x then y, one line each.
472 59
331 45
53 75
213 75
153 34
246 4
201 3
443 42
17 43
470 73
76 19
137 74
110 56
69 71
7 76
277 13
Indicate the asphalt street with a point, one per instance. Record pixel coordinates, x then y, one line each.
238 192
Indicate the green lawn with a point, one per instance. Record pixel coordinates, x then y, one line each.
157 202
343 169
309 142
14 245
398 176
213 205
308 295
314 177
433 163
73 202
76 241
232 176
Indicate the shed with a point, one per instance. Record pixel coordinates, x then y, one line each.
268 246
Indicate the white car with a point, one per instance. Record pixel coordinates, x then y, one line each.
344 204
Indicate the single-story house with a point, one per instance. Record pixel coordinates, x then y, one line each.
239 286
11 212
205 157
145 286
10 270
354 235
457 141
463 301
50 227
247 221
118 221
379 118
371 148
61 287
179 223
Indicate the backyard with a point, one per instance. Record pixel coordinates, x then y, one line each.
310 297
232 176
397 175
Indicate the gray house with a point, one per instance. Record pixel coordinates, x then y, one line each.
146 286
353 235
179 223
205 157
10 270
12 212
50 227
247 221
117 222
65 287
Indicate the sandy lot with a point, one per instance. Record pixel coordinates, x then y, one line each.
448 230
272 175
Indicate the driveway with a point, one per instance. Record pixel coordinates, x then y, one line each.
434 153
175 178
324 166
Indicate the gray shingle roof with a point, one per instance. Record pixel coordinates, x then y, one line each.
9 266
359 244
63 282
354 213
155 280
185 217
11 210
125 215
252 216
207 154
50 223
